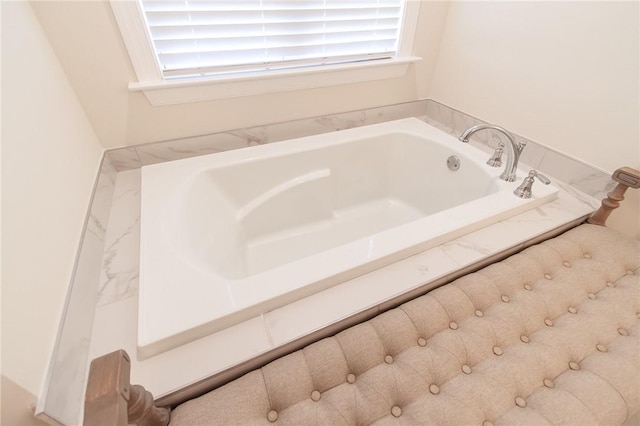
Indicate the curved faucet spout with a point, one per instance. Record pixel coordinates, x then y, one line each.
513 149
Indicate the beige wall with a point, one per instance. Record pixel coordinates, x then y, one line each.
77 30
562 73
17 406
50 157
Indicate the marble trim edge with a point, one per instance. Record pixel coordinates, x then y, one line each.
61 396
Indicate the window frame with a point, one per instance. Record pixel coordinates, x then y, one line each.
130 19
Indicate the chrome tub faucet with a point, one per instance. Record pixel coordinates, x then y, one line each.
513 149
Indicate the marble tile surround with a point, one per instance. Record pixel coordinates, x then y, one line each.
62 395
113 298
134 157
581 176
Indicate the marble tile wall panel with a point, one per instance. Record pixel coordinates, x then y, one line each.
576 174
124 158
134 157
63 394
190 147
120 264
348 120
395 112
314 126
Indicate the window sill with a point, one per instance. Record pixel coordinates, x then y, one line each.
173 92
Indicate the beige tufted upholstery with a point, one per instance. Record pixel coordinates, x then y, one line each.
547 336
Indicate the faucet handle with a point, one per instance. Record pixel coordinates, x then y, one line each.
496 158
540 176
521 146
524 190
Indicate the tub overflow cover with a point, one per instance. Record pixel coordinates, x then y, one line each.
453 163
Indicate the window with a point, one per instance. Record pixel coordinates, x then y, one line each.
203 37
195 45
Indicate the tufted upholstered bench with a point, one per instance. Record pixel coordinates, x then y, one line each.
547 336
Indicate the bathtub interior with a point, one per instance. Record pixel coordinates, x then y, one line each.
226 237
243 219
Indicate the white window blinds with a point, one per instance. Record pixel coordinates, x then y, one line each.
202 37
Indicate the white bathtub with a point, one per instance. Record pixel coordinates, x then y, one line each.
228 236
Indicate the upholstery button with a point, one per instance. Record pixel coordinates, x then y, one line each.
547 276
466 369
480 314
272 416
497 350
610 284
591 296
487 423
566 264
527 287
434 389
548 322
574 365
524 339
623 331
351 378
315 395
453 325
601 348
572 310
396 411
388 359
422 341
586 256
520 402
505 298
548 383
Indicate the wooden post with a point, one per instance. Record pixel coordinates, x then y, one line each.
108 390
626 178
141 410
110 399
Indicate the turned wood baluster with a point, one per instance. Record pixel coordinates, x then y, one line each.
141 410
626 178
111 400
